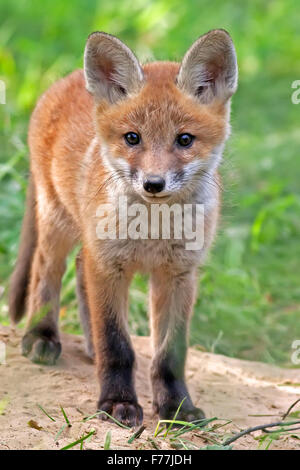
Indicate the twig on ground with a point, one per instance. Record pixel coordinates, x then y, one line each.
261 427
288 430
290 408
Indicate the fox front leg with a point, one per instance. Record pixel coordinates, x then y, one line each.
107 297
171 302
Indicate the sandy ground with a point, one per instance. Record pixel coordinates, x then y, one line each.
223 387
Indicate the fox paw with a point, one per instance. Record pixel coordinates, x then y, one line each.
130 414
40 349
191 414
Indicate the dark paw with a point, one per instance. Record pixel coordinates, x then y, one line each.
130 414
194 414
40 349
189 415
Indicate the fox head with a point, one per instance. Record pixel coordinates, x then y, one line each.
162 127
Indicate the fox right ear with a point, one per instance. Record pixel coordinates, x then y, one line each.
111 69
209 68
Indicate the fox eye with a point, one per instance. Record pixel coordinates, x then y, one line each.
132 138
185 140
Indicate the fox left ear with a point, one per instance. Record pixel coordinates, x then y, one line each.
209 68
111 69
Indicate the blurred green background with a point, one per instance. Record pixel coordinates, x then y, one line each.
249 297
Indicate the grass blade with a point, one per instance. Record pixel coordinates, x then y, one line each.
60 431
174 419
193 426
44 411
65 416
79 441
109 416
107 441
137 434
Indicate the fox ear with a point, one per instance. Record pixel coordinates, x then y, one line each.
111 69
209 68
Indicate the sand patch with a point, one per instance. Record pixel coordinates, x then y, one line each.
223 387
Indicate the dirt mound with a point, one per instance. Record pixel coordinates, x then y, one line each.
225 388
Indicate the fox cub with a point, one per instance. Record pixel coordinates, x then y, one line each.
155 134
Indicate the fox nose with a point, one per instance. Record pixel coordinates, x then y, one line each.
154 184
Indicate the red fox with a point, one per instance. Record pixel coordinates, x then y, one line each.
155 134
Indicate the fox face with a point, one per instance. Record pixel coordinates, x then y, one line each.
162 127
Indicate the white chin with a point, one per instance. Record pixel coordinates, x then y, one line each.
155 198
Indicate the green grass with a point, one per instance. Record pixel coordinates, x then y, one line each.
249 297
